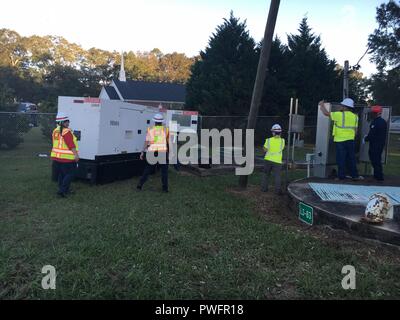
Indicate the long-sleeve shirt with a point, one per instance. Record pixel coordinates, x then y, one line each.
377 133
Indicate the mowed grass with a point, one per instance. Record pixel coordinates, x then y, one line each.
200 241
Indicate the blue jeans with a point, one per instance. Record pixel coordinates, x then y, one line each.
65 172
346 158
148 170
375 155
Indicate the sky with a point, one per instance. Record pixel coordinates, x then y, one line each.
185 26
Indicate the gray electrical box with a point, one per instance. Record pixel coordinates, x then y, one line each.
297 123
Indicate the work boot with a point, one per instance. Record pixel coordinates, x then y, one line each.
61 194
139 187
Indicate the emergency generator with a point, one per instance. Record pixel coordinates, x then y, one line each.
111 135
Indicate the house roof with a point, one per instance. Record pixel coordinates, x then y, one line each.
112 93
151 91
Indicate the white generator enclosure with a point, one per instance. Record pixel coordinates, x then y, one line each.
111 134
107 127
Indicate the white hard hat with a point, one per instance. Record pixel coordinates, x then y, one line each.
276 128
61 116
348 103
158 118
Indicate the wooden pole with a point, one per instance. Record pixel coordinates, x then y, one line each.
261 73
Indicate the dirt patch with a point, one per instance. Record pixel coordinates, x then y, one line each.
13 211
276 209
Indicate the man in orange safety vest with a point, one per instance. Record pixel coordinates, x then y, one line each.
156 145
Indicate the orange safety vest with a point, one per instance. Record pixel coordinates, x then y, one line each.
60 149
157 137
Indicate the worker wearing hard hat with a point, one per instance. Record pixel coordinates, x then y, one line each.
64 154
345 124
273 159
156 144
377 140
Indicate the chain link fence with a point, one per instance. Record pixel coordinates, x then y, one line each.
263 126
35 129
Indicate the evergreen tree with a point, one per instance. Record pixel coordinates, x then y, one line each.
385 87
384 43
276 88
312 75
222 79
385 48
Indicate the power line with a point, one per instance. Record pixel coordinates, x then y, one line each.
357 66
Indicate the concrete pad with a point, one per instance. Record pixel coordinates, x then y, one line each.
345 215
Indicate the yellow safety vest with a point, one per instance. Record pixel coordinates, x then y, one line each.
157 137
60 149
274 146
345 125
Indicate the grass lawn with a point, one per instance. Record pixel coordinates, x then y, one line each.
203 240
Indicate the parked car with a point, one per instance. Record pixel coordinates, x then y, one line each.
395 124
27 107
31 108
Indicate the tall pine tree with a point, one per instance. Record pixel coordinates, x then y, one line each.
385 49
312 74
276 93
223 78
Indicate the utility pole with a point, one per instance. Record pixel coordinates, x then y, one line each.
346 80
261 73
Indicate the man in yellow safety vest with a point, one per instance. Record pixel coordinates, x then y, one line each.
156 145
64 154
345 124
273 159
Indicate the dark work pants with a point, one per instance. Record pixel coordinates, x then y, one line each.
375 155
65 172
346 157
268 167
148 169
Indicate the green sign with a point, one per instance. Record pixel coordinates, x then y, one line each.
306 213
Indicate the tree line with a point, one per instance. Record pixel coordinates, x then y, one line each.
223 76
219 81
39 69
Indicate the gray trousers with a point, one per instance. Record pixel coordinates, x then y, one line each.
268 167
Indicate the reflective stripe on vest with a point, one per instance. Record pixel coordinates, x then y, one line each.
157 138
274 156
343 126
345 129
60 149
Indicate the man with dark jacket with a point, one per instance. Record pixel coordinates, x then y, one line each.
377 141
